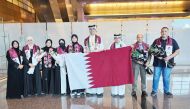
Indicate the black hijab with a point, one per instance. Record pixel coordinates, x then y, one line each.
16 49
62 44
46 49
73 43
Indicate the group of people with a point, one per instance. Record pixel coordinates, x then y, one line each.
38 71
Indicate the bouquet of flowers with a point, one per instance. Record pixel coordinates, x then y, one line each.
160 53
141 56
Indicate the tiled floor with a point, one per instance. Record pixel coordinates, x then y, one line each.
180 86
3 76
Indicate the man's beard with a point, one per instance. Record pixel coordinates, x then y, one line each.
164 36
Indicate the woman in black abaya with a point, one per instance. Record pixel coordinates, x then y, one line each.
15 79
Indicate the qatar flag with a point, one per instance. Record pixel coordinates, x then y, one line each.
100 69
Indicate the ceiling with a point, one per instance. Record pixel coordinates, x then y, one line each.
108 10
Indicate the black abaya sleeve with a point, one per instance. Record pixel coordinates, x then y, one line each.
82 49
25 60
10 61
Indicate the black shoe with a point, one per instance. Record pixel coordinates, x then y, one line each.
169 94
153 94
82 94
99 95
133 94
63 94
39 95
113 95
144 94
89 94
121 96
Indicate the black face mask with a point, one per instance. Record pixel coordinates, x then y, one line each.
62 45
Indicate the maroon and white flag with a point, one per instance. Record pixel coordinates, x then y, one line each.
99 69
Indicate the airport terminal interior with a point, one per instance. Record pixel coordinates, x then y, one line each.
99 24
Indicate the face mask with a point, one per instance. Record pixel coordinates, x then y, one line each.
62 44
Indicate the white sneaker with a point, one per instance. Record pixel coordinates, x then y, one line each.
78 94
74 94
